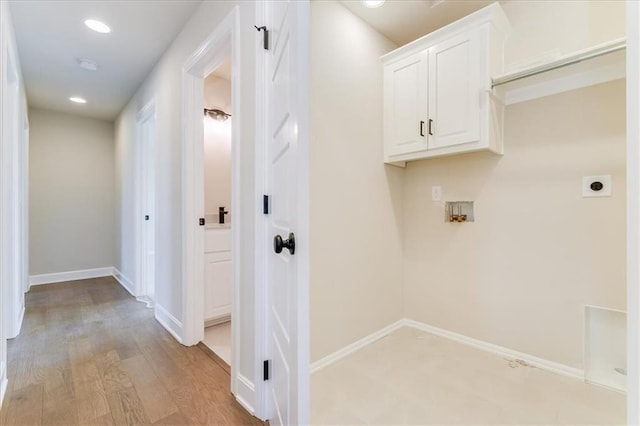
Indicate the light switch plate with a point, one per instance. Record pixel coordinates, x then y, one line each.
590 185
436 193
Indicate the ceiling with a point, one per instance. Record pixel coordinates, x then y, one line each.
51 35
402 21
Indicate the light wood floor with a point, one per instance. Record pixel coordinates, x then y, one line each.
89 353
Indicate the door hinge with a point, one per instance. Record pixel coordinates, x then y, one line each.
201 221
265 36
265 204
265 370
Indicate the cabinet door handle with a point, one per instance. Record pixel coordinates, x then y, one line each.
430 126
422 128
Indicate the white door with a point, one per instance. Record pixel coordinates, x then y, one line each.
454 91
286 131
146 219
405 105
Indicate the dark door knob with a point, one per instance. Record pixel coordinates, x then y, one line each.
279 244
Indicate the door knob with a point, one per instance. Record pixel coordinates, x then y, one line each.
279 244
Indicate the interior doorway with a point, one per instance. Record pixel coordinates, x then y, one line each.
217 172
145 220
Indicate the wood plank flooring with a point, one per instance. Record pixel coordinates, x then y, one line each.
89 354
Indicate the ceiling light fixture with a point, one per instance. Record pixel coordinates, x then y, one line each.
216 114
87 64
97 26
372 4
77 100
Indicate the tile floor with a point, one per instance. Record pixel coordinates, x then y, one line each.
218 339
412 377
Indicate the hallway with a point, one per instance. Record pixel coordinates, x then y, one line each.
89 353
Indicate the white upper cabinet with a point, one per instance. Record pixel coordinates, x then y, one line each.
455 88
405 85
437 90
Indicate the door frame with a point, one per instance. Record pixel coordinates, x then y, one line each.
633 212
216 48
12 148
145 113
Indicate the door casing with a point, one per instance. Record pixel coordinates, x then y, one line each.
145 167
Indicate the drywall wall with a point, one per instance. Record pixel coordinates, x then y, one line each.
544 30
538 252
71 192
164 85
356 201
217 149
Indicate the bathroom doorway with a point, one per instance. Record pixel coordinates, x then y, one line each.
218 261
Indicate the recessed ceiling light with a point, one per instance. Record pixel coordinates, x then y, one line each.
98 26
87 64
77 100
372 4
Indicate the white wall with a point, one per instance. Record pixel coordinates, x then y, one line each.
217 149
538 252
356 202
520 275
543 30
164 85
13 202
633 212
71 192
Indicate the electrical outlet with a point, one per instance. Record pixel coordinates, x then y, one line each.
596 186
436 193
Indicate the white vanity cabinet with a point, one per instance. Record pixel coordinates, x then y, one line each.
437 90
218 273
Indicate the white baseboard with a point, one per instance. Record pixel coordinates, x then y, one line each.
169 322
60 277
124 281
20 319
544 364
246 392
3 382
349 349
541 363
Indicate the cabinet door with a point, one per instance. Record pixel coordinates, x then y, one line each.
405 105
218 278
454 91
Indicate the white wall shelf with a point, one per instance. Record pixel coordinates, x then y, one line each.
587 67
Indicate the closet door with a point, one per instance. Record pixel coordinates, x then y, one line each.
454 91
405 105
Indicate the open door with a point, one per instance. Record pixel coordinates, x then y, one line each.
285 131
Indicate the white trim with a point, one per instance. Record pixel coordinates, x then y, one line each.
561 62
465 340
245 393
633 212
3 381
169 322
145 113
574 81
544 364
261 318
60 277
20 319
125 282
355 346
222 42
